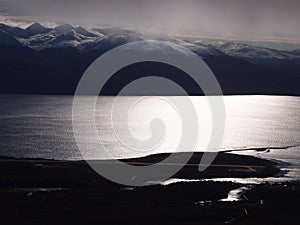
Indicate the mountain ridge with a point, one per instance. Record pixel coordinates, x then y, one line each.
52 61
38 37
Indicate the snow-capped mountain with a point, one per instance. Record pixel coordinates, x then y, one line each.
12 31
34 29
201 49
111 41
249 52
39 37
61 54
80 30
59 37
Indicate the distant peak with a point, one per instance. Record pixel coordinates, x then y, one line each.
35 26
64 28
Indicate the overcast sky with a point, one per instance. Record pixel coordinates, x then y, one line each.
238 19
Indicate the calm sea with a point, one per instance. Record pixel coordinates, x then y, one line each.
40 126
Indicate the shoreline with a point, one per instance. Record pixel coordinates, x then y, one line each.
58 192
224 166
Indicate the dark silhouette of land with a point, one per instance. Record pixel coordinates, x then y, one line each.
38 191
58 71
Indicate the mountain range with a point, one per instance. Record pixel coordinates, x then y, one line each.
43 60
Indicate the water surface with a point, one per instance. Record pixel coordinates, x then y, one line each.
37 126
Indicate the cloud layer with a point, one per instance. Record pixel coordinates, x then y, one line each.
241 19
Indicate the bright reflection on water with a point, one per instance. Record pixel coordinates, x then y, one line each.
41 126
142 112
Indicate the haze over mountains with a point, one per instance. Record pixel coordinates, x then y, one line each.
52 60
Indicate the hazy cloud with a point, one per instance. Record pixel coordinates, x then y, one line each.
245 19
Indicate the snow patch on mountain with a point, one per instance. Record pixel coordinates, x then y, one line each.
249 52
201 49
167 48
112 41
60 37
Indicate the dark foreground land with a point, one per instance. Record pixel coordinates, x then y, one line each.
63 192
